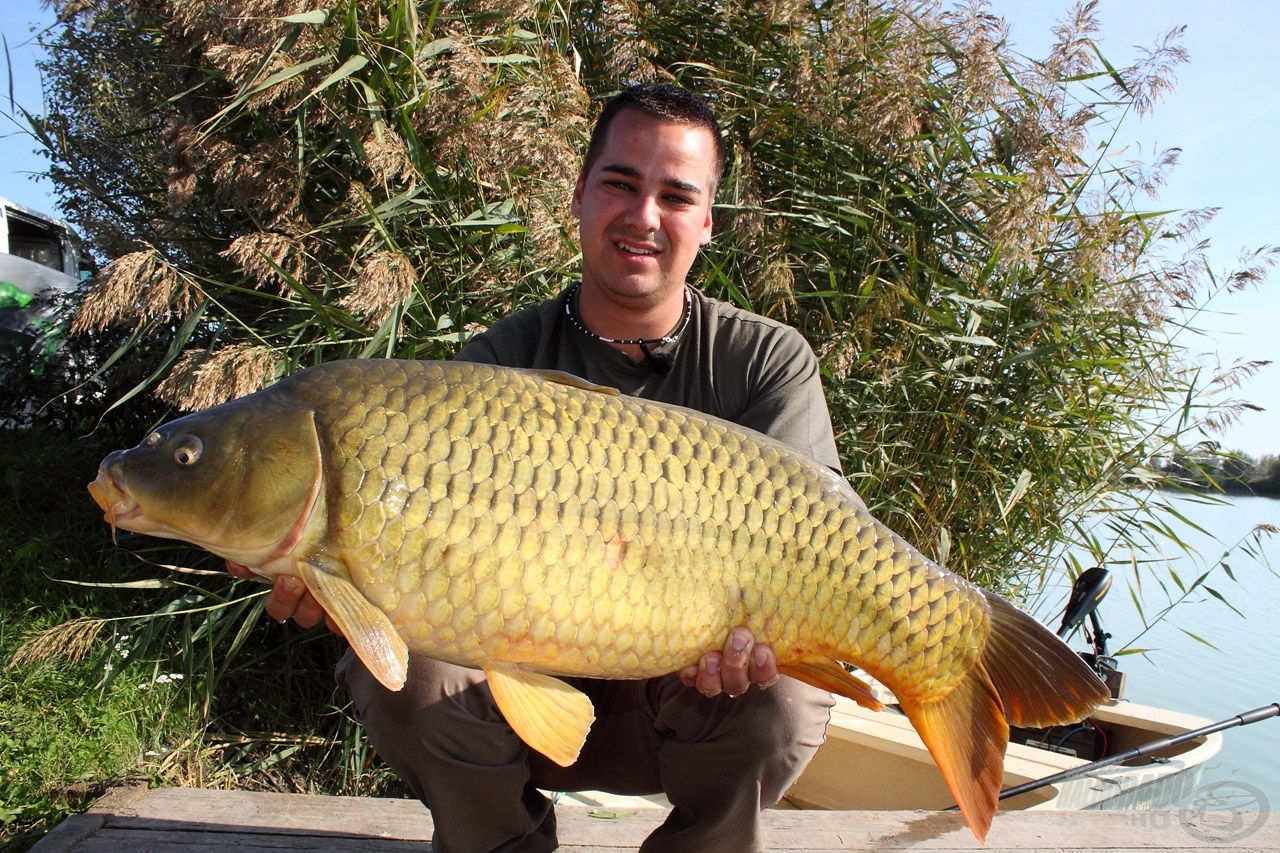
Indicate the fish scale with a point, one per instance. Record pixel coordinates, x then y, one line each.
535 525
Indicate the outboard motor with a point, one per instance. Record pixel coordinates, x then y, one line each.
1086 593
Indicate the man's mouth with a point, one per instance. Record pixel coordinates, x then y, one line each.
638 251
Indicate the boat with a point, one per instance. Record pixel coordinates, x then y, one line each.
875 760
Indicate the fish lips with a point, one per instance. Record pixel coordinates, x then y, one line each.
117 506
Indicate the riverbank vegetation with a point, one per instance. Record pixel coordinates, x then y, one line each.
1234 473
999 309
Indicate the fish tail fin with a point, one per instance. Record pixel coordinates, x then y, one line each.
1024 675
966 734
1040 680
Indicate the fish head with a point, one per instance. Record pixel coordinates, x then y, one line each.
243 480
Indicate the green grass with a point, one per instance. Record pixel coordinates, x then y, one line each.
61 735
62 744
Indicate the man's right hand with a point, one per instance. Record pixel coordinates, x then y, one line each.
289 599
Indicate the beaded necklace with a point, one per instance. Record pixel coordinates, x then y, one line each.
644 343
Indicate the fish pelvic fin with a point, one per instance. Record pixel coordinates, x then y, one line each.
830 675
1024 675
372 636
549 715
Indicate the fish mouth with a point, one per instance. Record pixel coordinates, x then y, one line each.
116 504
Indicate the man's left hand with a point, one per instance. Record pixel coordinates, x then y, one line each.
743 662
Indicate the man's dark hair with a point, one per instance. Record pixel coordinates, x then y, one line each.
664 101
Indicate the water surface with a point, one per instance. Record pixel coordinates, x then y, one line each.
1180 672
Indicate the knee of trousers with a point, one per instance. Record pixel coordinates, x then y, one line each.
807 714
789 715
767 734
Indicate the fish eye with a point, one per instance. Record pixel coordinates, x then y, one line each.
188 451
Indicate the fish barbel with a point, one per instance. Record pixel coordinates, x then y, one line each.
533 525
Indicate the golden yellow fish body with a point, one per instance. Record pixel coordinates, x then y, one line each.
495 513
528 522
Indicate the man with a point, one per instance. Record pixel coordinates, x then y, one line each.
724 750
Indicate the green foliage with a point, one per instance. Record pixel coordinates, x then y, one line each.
1214 471
346 183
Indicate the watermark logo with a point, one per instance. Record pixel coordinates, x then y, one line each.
1225 812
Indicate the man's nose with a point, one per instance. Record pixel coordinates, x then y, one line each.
644 213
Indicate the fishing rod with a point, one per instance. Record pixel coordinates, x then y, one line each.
1257 714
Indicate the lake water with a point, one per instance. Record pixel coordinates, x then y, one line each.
1242 672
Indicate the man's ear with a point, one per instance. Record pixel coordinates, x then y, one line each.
575 206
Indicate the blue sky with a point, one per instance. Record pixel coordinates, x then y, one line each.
1224 114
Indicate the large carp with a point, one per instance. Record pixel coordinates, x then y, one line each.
534 525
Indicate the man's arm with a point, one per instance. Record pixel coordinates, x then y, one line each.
785 398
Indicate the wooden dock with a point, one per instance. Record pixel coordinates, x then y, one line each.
191 820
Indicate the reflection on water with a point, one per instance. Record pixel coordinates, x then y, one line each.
1182 673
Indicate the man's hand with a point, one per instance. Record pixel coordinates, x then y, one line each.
289 599
743 662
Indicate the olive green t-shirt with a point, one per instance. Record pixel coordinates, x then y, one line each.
726 362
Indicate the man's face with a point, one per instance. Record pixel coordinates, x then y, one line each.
644 209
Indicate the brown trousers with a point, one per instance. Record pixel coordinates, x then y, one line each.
719 761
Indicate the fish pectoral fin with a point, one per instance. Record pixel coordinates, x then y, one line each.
830 675
548 714
372 636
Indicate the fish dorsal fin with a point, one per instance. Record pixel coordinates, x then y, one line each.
561 378
372 636
548 714
830 675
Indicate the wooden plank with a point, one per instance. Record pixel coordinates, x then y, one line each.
192 821
372 817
